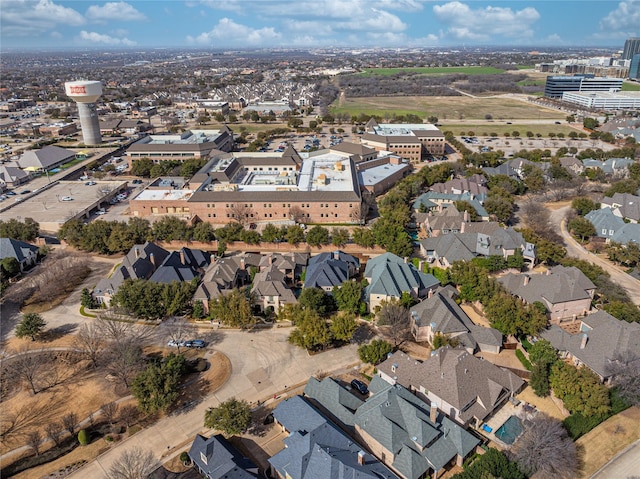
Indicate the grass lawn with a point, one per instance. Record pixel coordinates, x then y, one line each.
445 107
488 128
626 86
433 71
609 438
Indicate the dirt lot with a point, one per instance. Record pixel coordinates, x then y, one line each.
605 441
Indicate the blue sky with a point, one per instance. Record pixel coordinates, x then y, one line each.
229 24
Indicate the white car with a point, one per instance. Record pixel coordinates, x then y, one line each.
67 198
101 212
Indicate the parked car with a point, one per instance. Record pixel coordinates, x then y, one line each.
67 198
196 343
101 212
90 183
11 193
174 344
25 192
360 386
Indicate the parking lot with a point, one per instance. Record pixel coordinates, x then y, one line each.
53 205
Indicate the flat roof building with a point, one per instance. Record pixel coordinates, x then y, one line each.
622 100
631 48
557 85
410 141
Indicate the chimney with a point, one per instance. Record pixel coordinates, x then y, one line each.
585 338
433 413
137 252
421 265
361 458
465 216
152 258
527 278
548 272
242 263
462 227
212 258
406 259
336 255
182 257
430 293
270 258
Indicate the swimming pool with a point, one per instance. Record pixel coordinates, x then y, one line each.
510 430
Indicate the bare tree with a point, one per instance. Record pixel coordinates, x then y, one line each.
128 415
395 321
176 332
27 365
120 331
34 439
70 421
17 423
546 450
54 432
134 463
90 340
241 213
624 370
109 412
296 214
125 360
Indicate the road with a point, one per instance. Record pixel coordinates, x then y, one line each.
631 285
624 466
263 364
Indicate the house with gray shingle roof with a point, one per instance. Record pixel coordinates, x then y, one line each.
605 222
183 265
334 400
617 167
623 205
327 270
600 338
565 292
440 314
465 388
25 253
12 175
503 169
46 158
389 276
270 289
316 449
426 200
629 233
216 458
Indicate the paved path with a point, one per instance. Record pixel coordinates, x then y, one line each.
263 364
630 284
623 466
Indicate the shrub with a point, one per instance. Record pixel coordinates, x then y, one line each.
83 437
184 457
526 344
108 438
525 362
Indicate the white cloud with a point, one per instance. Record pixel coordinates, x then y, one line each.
114 11
229 33
623 21
100 38
481 24
24 17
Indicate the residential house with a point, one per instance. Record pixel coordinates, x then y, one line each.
475 186
432 200
290 264
140 263
565 292
270 289
25 253
600 339
389 276
327 270
618 167
465 388
520 166
440 314
572 165
216 458
12 175
605 222
46 158
316 448
623 205
630 232
444 221
183 265
503 169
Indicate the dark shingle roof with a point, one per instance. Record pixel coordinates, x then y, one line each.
221 459
11 248
389 275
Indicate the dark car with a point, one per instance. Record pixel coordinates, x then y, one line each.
25 192
360 386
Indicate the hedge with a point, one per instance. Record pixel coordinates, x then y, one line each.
578 425
525 362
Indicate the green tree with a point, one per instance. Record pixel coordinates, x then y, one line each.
539 381
583 205
157 387
317 300
271 233
499 206
339 236
233 309
624 310
31 326
348 296
441 340
170 228
343 326
493 463
142 167
582 228
86 299
10 266
579 389
543 356
295 234
375 352
311 330
203 232
392 237
231 417
364 237
318 236
26 230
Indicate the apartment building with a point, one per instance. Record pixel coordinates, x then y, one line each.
410 141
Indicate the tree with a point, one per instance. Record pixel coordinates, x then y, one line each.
34 439
134 463
491 464
582 227
348 297
500 207
583 205
175 331
70 422
339 237
30 326
343 326
295 234
142 167
395 319
203 232
125 359
233 309
539 381
296 214
91 342
590 123
109 412
364 237
10 266
318 236
441 340
545 449
624 370
128 414
375 352
156 388
241 212
311 330
317 300
579 389
231 417
271 233
54 432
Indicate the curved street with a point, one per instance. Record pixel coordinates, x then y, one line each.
624 466
630 284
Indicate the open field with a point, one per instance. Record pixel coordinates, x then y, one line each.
485 129
433 71
457 107
627 86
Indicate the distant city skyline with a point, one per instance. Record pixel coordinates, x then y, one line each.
240 24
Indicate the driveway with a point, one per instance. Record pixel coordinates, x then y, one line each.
630 284
263 364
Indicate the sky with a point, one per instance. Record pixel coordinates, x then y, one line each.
239 24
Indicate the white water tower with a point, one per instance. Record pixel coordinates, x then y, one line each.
85 94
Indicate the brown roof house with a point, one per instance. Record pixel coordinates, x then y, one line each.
600 339
465 388
565 292
440 314
270 289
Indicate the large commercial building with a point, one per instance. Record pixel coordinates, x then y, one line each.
181 146
631 48
557 85
622 100
634 68
410 141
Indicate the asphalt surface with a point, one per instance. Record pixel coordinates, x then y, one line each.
625 465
